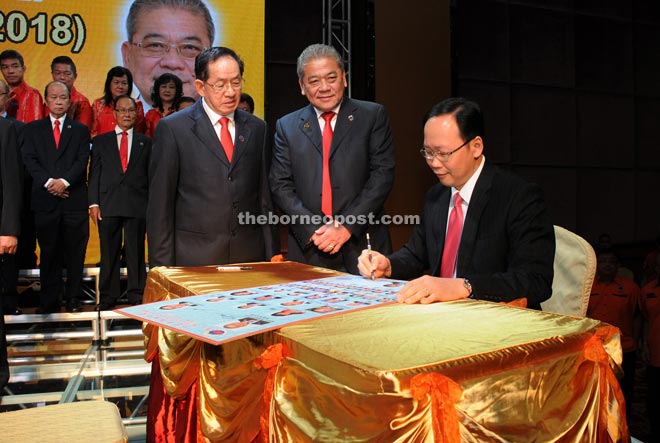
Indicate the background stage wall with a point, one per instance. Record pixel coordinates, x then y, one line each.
92 32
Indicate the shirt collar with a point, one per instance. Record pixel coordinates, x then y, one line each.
119 130
319 112
468 187
61 119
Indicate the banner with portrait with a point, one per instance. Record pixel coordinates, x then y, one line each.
95 35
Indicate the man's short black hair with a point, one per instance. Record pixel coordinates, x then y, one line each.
64 60
11 53
247 98
210 55
467 113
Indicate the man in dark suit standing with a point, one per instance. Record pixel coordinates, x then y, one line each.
333 167
118 194
55 153
208 165
485 233
9 263
11 185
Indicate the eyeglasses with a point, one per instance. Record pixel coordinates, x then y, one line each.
125 111
221 86
152 48
443 156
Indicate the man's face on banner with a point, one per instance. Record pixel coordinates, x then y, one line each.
165 40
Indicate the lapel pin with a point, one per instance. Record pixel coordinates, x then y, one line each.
68 126
241 138
306 125
350 118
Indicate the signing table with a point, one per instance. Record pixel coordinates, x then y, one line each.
465 371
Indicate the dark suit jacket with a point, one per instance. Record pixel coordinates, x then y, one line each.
507 247
119 193
361 171
43 161
11 180
196 195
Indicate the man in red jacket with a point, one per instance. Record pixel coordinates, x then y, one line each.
25 102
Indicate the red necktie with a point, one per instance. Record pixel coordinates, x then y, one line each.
123 150
225 138
326 192
56 134
453 238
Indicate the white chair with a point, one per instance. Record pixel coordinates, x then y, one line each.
575 268
78 422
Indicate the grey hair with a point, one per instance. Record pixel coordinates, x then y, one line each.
56 82
197 7
317 51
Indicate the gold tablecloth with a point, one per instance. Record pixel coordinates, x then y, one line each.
524 375
464 371
221 383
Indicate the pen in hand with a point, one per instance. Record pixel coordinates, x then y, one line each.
370 257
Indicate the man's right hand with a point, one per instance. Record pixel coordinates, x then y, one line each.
379 264
95 214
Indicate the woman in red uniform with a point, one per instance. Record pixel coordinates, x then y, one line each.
119 81
165 96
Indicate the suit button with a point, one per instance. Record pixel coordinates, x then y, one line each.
229 178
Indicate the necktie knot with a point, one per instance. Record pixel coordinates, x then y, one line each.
327 116
458 200
223 121
57 123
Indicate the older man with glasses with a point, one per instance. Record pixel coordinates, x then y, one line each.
208 166
118 192
485 232
165 36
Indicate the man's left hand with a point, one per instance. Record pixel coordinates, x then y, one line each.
429 289
330 237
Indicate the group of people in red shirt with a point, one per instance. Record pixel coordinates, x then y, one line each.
24 104
617 299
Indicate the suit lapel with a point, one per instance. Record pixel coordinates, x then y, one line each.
65 136
111 147
203 129
309 125
344 123
46 128
439 213
241 136
478 202
137 148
